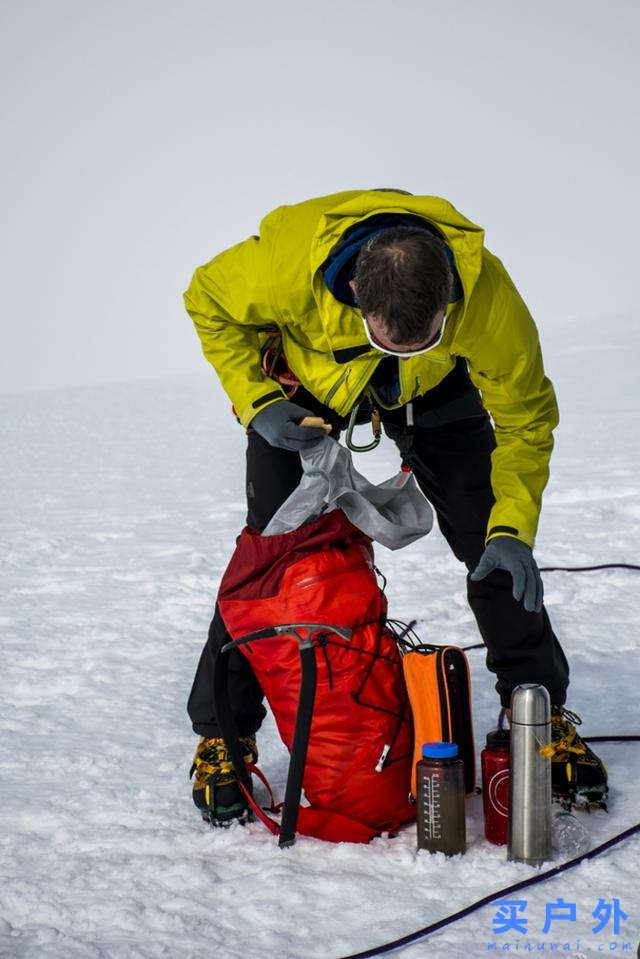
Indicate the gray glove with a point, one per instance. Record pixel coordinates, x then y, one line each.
514 556
278 425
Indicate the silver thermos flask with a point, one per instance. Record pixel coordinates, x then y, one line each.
530 779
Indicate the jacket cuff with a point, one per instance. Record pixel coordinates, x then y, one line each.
267 399
523 536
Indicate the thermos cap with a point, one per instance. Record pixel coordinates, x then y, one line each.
439 750
498 739
530 705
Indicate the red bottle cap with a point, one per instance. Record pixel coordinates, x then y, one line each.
498 739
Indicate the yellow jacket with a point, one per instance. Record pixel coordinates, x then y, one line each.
275 280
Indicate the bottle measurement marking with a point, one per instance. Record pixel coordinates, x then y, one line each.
431 807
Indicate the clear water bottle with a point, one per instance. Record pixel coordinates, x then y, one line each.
569 838
440 800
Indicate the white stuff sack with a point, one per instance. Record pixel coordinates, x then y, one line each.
394 513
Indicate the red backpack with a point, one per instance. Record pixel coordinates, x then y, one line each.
306 610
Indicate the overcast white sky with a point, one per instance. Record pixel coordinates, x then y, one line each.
142 137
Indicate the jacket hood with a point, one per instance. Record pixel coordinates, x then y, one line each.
464 238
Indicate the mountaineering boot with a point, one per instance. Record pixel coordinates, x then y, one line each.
578 776
216 792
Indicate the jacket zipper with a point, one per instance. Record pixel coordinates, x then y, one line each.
401 378
354 392
398 405
357 388
336 386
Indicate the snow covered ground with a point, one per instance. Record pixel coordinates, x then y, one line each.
120 507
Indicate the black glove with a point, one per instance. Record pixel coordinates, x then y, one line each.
514 556
278 425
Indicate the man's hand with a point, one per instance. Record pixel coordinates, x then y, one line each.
279 425
514 556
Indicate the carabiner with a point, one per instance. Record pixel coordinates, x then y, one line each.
376 426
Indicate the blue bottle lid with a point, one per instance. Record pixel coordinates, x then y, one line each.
439 750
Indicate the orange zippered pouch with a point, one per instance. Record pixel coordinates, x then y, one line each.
439 689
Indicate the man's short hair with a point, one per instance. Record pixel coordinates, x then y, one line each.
402 276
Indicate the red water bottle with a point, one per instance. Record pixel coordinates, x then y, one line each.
495 786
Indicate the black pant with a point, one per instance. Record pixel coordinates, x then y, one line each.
449 449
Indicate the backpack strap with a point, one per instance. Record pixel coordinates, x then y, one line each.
300 743
270 823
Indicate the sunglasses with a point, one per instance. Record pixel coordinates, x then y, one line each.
429 345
